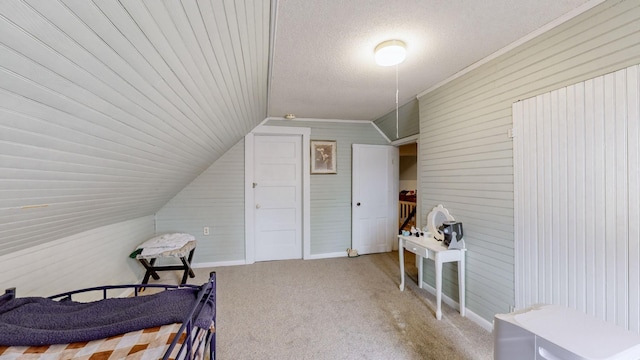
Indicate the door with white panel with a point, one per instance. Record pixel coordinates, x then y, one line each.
374 198
278 197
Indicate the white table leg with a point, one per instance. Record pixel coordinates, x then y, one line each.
420 270
461 289
401 256
438 262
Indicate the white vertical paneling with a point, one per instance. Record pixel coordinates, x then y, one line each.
579 228
633 141
545 164
109 108
585 194
570 179
599 206
609 197
529 165
521 164
621 199
589 195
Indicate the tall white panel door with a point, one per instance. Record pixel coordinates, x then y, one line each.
374 201
577 201
278 197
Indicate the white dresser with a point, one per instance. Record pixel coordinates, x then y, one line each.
552 332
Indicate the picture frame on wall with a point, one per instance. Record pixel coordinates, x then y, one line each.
324 157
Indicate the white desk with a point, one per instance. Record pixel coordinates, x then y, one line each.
430 248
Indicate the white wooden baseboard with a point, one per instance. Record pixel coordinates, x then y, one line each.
218 263
326 255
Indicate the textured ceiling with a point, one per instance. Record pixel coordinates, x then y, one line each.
323 53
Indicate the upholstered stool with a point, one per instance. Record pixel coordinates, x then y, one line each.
176 245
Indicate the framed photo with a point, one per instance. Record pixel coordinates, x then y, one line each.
323 157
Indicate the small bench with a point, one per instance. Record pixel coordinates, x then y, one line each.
181 246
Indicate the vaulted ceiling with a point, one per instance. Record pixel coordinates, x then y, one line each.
108 108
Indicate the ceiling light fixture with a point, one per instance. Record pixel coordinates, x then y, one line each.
390 52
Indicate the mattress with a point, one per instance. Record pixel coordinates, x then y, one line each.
149 343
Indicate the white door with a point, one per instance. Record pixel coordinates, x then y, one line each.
374 202
278 197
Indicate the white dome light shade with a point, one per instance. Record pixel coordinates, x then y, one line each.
390 52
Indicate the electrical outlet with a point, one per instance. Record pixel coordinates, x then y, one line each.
205 230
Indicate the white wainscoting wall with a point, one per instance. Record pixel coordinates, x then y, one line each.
577 196
92 258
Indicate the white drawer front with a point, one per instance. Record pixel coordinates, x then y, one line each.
416 249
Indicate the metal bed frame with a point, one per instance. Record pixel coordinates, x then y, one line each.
187 351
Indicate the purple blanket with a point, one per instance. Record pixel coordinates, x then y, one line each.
40 321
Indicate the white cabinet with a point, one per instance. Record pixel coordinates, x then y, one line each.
551 332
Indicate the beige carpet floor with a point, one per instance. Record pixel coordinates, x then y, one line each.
341 308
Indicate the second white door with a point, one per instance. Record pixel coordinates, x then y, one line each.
278 197
375 191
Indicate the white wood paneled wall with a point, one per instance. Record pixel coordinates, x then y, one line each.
86 259
214 199
109 108
577 198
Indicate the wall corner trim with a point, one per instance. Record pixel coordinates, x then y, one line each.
381 132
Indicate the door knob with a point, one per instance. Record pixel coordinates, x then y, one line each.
358 204
257 206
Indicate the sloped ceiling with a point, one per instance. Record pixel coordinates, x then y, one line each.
108 108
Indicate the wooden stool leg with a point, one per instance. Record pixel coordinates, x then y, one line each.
150 271
191 274
186 270
187 267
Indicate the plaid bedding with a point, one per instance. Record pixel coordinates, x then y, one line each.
143 344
